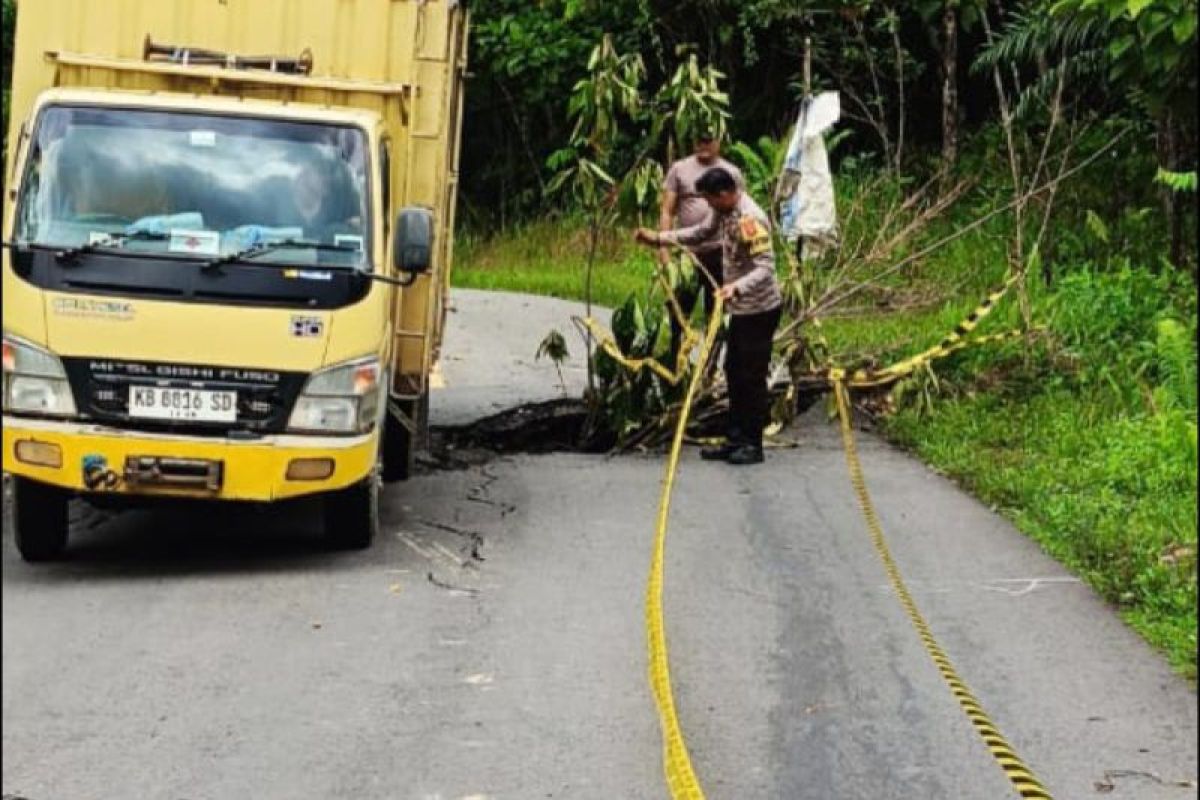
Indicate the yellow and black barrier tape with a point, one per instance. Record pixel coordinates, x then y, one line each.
677 764
1019 774
679 772
956 340
608 344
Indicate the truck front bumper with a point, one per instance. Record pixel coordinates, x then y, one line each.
97 459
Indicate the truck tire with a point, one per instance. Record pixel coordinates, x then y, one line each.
41 520
398 451
352 514
399 445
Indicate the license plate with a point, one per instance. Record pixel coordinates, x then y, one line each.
201 405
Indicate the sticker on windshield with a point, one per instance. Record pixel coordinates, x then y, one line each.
348 240
306 327
308 275
203 138
199 243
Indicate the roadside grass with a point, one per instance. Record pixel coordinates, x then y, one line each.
1097 490
549 257
1084 437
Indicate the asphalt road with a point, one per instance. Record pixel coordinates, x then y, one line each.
490 646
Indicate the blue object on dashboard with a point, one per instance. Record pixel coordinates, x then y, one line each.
165 223
250 235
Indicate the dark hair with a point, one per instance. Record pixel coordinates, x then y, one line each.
715 181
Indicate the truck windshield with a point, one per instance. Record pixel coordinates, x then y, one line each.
195 185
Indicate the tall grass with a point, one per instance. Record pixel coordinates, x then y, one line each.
549 257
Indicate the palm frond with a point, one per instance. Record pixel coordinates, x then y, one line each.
1081 68
1031 36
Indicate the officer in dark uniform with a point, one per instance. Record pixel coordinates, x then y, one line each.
682 207
751 292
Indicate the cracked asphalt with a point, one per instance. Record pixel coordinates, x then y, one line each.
490 646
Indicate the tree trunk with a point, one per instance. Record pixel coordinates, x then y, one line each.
1168 146
594 241
898 52
949 83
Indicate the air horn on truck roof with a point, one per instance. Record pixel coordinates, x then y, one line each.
173 54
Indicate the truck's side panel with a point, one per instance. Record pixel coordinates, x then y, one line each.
431 180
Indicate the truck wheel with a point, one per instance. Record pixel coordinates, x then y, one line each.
41 521
399 445
398 451
352 514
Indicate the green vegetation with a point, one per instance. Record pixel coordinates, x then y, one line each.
907 73
550 258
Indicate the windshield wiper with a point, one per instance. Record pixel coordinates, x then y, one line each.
115 242
251 253
254 251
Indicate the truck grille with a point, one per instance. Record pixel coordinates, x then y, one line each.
264 398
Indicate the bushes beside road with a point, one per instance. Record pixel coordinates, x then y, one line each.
1087 441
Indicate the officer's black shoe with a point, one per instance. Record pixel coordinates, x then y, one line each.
719 452
746 454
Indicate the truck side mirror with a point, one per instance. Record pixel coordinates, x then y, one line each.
412 250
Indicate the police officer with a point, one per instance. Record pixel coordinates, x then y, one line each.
752 294
682 207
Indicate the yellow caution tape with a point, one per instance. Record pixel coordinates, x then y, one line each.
955 341
681 778
607 342
691 339
1021 777
680 775
609 345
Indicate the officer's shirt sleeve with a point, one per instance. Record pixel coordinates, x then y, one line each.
694 235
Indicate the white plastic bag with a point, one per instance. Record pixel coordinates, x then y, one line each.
808 210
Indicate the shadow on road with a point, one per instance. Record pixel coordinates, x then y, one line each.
196 539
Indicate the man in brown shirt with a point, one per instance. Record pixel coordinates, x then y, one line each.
752 293
683 207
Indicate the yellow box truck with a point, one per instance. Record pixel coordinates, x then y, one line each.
227 248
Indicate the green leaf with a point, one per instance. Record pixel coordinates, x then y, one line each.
1177 181
1184 28
554 347
557 182
1097 227
1136 7
1119 47
599 172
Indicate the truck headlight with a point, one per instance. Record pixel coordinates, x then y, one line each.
35 381
341 399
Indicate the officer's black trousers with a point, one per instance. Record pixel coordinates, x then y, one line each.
747 361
